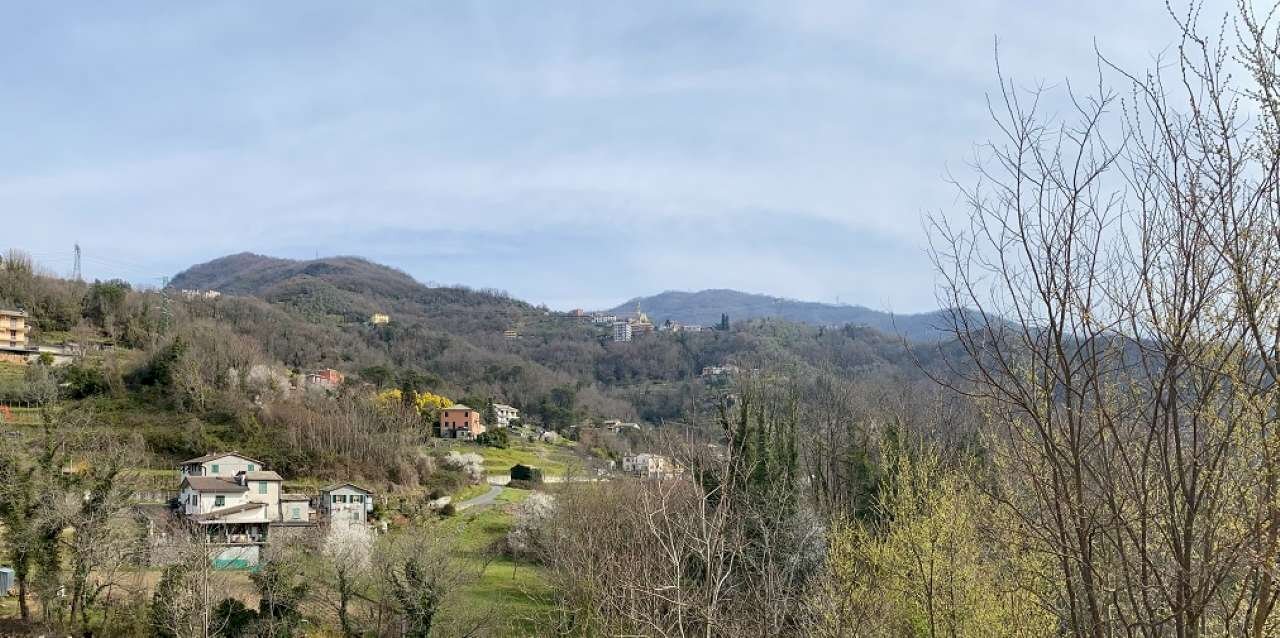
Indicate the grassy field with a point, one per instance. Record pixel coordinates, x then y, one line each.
554 459
515 593
11 373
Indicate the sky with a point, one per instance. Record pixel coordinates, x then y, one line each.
573 154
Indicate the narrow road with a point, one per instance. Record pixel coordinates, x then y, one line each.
484 499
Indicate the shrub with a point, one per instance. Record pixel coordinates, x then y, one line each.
494 438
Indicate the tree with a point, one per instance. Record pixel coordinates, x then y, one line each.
345 563
489 415
1110 297
283 585
418 575
928 566
187 599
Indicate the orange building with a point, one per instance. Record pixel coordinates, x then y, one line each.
460 422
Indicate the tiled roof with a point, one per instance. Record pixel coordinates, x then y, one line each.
218 455
226 511
213 484
294 497
262 475
337 486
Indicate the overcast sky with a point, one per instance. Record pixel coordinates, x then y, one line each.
574 154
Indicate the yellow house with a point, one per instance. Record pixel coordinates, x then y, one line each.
13 328
14 346
379 319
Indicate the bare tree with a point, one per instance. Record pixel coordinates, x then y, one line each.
1113 290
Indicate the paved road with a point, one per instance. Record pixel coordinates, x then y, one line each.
484 499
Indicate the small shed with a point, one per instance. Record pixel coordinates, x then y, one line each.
529 473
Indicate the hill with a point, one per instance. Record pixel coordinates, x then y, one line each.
705 307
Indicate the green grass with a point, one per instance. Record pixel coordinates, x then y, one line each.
12 373
514 592
469 492
555 460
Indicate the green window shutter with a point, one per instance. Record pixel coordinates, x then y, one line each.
219 500
215 468
251 467
262 487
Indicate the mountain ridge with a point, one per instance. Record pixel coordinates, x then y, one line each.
704 307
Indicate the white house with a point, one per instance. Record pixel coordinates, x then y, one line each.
647 465
203 495
346 501
263 487
622 331
505 414
222 464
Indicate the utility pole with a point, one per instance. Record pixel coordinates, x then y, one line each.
75 270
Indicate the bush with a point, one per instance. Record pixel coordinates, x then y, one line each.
494 438
471 464
449 510
81 381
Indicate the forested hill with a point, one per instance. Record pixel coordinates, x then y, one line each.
463 338
705 308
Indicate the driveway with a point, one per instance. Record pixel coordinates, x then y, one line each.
484 499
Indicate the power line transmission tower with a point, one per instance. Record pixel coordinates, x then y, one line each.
75 270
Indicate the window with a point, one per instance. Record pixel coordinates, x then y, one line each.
340 498
251 467
214 469
262 487
219 500
296 513
357 499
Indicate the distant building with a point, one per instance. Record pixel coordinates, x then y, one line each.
379 319
326 378
579 314
601 319
200 294
641 325
716 371
649 466
460 422
622 331
511 333
504 414
13 336
346 502
616 426
688 328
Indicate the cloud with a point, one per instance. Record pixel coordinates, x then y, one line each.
561 152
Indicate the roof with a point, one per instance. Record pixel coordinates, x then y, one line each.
294 497
503 406
458 406
234 509
13 313
262 475
338 486
218 455
212 484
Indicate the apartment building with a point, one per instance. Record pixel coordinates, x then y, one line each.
13 329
